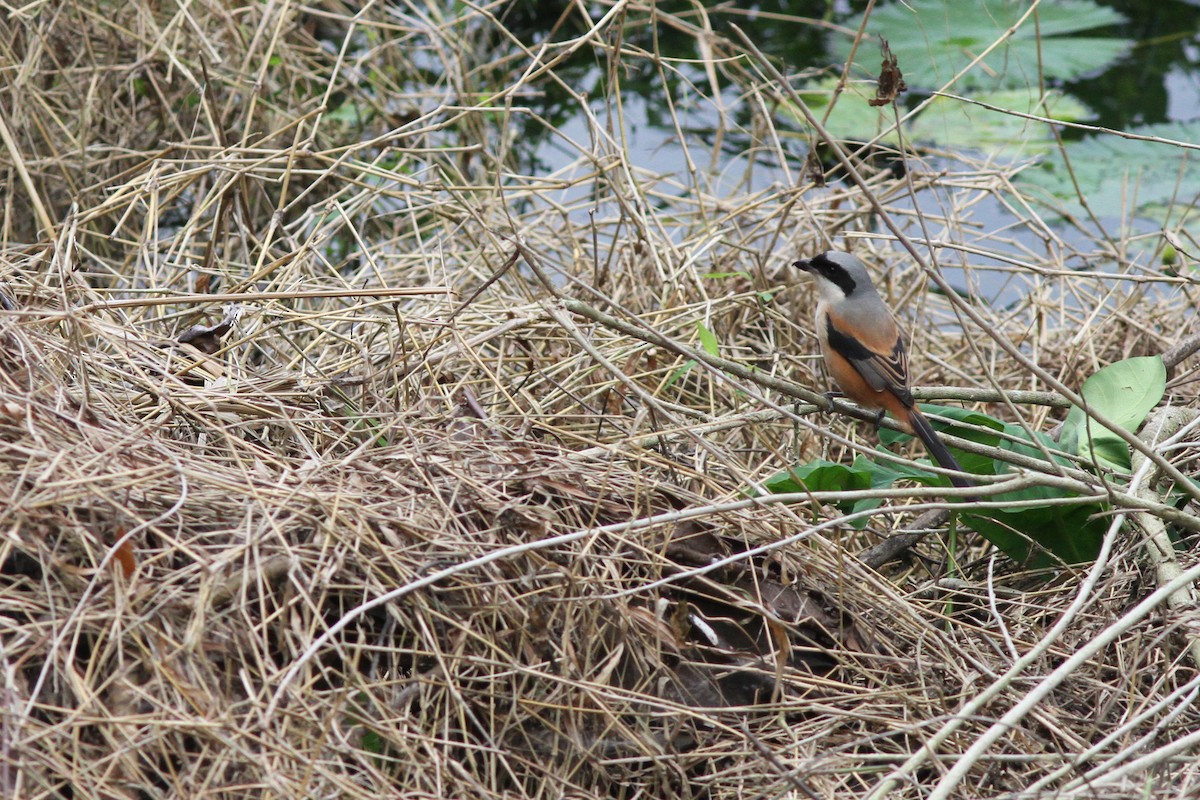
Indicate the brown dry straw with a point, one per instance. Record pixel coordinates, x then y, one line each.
348 453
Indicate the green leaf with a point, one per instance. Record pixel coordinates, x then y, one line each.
1029 448
1124 392
707 340
933 40
827 476
818 476
1119 176
724 275
852 118
684 369
951 123
1040 534
943 418
940 418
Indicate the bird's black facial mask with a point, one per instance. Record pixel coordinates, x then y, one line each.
835 273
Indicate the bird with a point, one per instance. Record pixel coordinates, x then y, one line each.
864 351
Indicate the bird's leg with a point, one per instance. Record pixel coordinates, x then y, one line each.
879 418
829 396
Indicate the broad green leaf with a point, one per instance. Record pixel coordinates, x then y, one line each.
933 40
951 123
1039 535
708 340
941 419
852 118
1124 392
1119 176
818 476
826 476
1029 448
1071 534
882 475
947 122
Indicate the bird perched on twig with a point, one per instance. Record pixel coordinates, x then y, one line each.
864 350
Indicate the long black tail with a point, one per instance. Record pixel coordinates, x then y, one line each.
933 443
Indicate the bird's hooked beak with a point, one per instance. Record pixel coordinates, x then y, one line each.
804 264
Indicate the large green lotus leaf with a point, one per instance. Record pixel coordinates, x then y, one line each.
852 118
951 123
933 40
1119 176
946 122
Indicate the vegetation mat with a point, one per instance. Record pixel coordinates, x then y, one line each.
367 432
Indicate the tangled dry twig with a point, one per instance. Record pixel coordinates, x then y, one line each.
399 524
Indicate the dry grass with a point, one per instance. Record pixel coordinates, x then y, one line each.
409 528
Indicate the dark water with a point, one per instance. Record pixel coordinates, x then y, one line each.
1156 81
